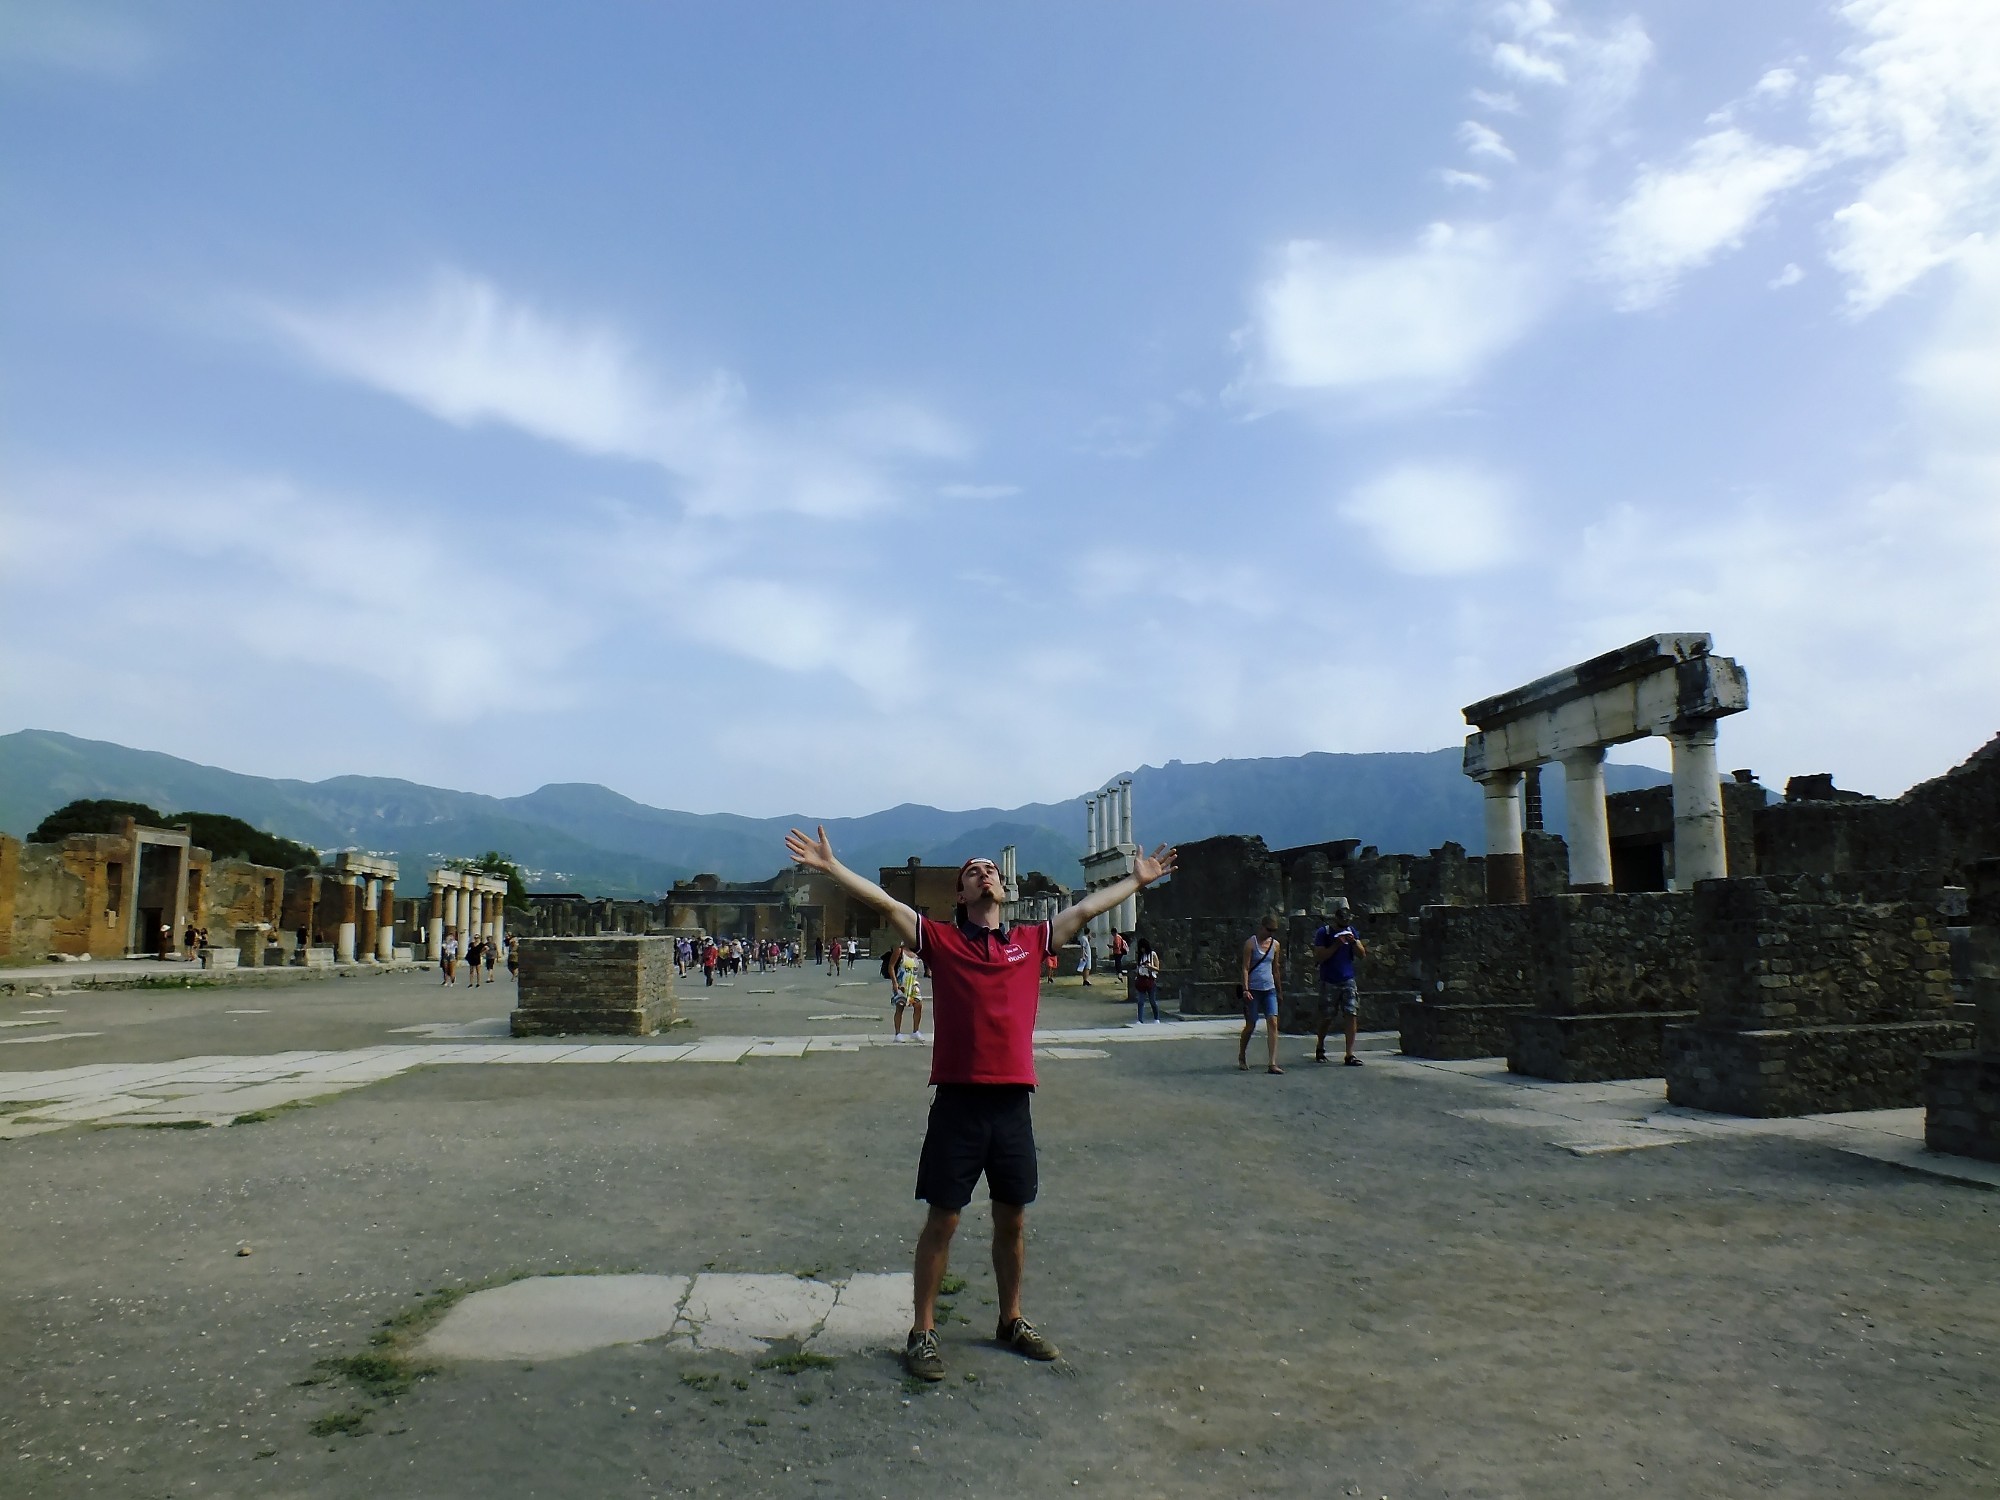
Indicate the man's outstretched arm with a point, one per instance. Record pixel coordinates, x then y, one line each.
817 854
1069 923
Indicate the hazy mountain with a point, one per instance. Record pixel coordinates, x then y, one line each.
574 836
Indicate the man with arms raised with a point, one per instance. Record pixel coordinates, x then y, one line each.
985 989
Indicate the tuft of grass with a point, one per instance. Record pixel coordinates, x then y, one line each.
700 1380
172 1124
796 1363
951 1286
384 1373
756 1422
349 1421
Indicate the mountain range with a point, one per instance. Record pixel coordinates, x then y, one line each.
583 837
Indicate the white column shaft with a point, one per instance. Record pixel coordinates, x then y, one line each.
1699 851
1589 827
1503 813
1124 812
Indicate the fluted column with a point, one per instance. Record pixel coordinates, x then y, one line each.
1125 811
1090 825
368 897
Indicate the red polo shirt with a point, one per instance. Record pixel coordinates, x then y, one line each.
985 989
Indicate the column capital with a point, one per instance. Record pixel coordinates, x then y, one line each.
1587 755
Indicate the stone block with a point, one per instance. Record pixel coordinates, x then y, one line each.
1454 1032
1592 1048
1962 1104
313 958
220 958
610 986
1805 1070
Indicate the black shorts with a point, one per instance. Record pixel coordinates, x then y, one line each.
978 1128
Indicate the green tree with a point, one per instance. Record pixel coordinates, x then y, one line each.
493 862
226 837
93 815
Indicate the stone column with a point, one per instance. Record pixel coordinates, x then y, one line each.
1506 874
1589 827
435 934
1090 825
385 932
343 942
1125 811
180 893
500 917
367 917
1699 852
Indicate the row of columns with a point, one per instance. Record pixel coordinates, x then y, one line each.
1699 851
1108 817
367 919
469 913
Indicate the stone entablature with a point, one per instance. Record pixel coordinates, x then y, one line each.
1669 685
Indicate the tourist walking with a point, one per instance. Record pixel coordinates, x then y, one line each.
513 957
1119 949
1337 946
448 961
474 951
489 951
1146 981
910 987
1261 992
985 989
1083 956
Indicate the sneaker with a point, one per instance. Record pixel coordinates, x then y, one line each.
921 1357
1021 1337
916 1036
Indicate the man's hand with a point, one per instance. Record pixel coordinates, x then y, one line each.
813 853
1159 867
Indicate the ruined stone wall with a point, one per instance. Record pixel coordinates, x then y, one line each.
1949 822
53 909
1602 953
1815 996
241 894
10 883
1474 969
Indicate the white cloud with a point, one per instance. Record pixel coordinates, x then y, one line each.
466 353
1453 178
1484 140
1500 104
1415 322
1777 83
1598 65
1790 276
1681 217
1437 518
1527 65
1920 105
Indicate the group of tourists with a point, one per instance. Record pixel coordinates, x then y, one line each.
718 956
480 956
834 952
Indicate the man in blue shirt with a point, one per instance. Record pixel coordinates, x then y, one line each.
1337 945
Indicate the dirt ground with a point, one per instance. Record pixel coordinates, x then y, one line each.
1321 1283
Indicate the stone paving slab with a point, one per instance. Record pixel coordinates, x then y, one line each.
736 1313
558 1317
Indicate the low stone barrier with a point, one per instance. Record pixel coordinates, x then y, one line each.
611 986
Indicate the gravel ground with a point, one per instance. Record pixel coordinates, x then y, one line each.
1320 1283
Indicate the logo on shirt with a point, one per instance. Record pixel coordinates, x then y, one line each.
1014 953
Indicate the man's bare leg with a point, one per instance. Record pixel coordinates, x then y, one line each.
1353 1030
1325 1022
1010 1256
933 1255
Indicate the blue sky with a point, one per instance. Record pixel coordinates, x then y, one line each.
813 407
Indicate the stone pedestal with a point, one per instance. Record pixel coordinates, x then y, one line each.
1962 1090
1610 972
313 958
1812 1000
1474 972
220 958
613 986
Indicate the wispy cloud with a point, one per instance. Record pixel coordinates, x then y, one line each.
465 352
1484 140
1441 519
1680 217
1415 322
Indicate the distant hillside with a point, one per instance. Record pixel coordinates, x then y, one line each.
577 836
